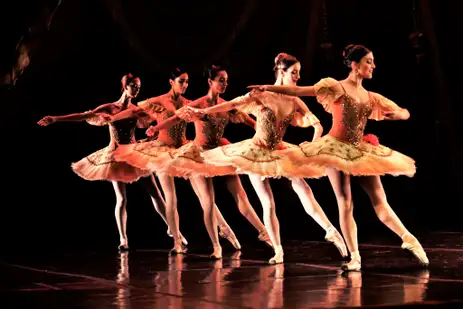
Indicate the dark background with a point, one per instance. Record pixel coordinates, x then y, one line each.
77 65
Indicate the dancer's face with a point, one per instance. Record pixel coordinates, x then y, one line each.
291 75
180 84
366 66
220 82
133 88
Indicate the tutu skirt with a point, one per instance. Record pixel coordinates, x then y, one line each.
102 165
158 158
187 161
364 159
250 158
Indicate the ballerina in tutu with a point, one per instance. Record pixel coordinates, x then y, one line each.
188 162
136 154
260 157
101 165
183 161
346 151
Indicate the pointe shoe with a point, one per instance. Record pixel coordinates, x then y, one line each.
178 248
355 264
123 246
217 254
184 241
278 258
334 237
230 236
236 255
263 236
415 248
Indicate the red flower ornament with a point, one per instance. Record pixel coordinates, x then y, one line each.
371 139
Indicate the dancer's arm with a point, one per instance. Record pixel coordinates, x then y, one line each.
240 117
147 109
249 121
77 117
181 114
222 107
163 125
133 112
385 109
305 118
402 114
298 91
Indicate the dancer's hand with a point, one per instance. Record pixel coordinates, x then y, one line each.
189 113
393 115
105 118
47 120
257 89
151 131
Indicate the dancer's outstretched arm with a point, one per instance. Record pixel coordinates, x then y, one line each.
77 117
298 91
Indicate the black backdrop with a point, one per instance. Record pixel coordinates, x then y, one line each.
91 44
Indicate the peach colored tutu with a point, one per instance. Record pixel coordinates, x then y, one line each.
362 160
187 161
249 158
148 155
101 165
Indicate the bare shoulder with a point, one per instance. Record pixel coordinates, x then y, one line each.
200 102
185 101
109 108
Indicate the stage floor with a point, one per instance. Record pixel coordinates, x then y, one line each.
309 278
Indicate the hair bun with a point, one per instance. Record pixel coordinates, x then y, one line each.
211 72
279 57
354 53
347 50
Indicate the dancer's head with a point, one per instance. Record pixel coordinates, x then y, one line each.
178 80
131 85
287 69
217 79
360 60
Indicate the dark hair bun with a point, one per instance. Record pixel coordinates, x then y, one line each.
353 53
176 72
212 71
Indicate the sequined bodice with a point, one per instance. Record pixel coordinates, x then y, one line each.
210 129
123 131
175 135
269 130
273 130
350 118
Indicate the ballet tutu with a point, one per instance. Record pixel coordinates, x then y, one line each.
250 158
187 161
147 155
369 158
101 165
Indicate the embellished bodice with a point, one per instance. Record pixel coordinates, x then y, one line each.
174 135
123 131
269 130
210 128
353 119
350 116
163 108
